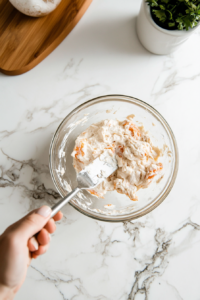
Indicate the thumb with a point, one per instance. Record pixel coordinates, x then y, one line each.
33 222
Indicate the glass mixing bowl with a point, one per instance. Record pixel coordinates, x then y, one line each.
113 107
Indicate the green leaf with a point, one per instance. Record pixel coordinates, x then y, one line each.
179 14
162 7
180 26
193 6
152 3
179 20
186 21
160 14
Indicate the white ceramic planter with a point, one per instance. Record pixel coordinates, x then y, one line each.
156 39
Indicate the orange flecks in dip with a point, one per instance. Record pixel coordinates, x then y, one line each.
112 148
155 171
93 192
79 151
136 156
120 150
135 131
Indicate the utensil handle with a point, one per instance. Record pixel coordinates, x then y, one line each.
63 201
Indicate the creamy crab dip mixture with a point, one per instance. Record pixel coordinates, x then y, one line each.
136 156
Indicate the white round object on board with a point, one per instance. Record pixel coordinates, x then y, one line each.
35 8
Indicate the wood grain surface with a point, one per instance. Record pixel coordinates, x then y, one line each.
25 41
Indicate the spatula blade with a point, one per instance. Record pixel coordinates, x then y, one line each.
101 168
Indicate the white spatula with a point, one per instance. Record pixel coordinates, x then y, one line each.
90 177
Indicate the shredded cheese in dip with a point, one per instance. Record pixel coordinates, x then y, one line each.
136 156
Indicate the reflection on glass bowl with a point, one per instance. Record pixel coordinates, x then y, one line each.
96 110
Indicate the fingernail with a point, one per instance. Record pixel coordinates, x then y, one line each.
44 211
34 243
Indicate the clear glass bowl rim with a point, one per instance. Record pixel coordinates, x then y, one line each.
157 201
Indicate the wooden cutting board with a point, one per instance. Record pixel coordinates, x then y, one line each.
25 41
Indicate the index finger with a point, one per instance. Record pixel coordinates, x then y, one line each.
58 216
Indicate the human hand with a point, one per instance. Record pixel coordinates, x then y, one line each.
18 245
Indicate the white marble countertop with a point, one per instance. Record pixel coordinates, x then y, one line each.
155 257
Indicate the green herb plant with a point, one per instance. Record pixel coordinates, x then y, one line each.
175 14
